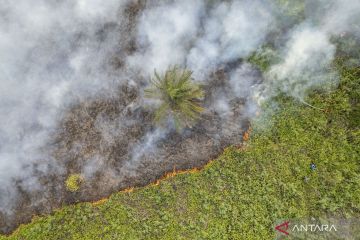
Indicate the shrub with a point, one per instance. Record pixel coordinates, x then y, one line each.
73 182
180 97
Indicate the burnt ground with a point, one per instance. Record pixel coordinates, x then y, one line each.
106 139
112 141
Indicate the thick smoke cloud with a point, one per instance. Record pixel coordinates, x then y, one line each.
50 52
165 32
229 33
306 63
309 51
199 35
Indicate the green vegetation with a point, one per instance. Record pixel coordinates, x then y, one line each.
179 95
294 8
263 58
243 193
73 182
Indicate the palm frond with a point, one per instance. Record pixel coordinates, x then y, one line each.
180 97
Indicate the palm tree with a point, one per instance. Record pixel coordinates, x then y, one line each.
180 97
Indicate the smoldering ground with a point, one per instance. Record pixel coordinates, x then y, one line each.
73 74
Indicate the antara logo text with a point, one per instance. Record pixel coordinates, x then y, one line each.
285 228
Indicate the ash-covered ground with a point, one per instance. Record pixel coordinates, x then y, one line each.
73 74
113 142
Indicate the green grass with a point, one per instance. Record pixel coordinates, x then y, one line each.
244 192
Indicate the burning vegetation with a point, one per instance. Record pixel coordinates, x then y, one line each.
83 116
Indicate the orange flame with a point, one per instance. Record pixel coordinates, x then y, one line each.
99 202
246 135
175 172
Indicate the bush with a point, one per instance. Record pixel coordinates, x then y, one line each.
73 182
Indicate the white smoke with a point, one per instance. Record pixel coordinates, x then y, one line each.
230 32
52 52
199 36
309 51
336 16
165 32
49 50
145 147
306 63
